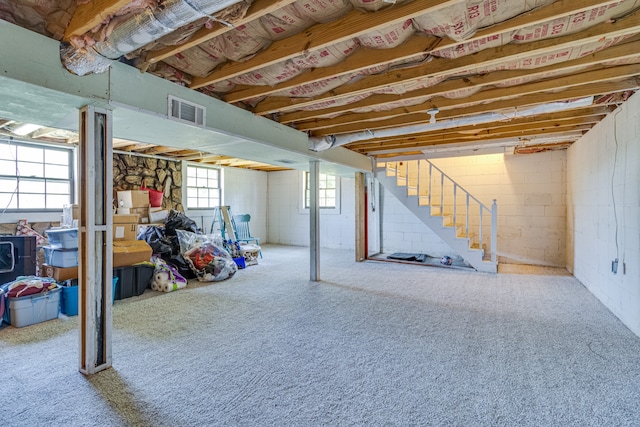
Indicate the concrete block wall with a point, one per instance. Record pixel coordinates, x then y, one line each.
603 199
288 222
245 191
402 231
531 195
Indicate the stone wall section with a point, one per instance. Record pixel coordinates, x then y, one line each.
131 172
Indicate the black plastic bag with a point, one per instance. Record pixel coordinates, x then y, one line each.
155 236
180 264
176 220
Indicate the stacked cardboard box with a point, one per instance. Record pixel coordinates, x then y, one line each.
134 202
125 226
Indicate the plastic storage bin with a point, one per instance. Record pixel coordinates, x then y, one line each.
60 257
63 238
132 279
69 298
30 309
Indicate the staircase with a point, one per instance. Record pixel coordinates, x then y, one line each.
458 218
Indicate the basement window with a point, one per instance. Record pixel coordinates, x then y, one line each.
328 191
203 187
35 177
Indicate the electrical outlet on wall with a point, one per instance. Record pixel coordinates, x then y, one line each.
614 266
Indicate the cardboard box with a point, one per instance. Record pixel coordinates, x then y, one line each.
143 213
133 199
125 219
59 274
129 252
158 216
125 231
125 227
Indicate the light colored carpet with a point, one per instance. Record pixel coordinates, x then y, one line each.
374 344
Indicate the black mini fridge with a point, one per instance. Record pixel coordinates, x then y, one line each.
17 257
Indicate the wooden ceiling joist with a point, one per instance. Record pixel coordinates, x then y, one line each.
589 115
257 9
482 97
354 24
497 133
414 47
90 14
447 67
417 145
614 53
517 102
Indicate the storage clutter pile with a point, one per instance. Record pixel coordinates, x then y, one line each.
149 252
28 300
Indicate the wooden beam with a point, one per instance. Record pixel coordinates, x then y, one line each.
577 116
88 15
493 133
614 53
354 24
630 24
506 104
415 47
257 9
159 149
557 9
362 59
211 159
369 120
415 145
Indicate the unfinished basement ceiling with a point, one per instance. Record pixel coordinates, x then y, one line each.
381 78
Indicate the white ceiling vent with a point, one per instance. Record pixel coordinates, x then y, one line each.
185 111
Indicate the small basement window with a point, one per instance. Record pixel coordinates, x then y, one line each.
35 177
203 187
328 185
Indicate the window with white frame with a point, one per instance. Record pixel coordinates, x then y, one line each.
328 186
35 177
203 187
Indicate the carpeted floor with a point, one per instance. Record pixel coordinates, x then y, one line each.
373 344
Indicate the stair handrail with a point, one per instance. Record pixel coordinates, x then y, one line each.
493 211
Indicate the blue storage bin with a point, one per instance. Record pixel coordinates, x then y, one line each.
63 238
30 309
69 300
60 257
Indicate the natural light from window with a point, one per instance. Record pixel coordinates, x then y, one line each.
203 187
328 191
34 177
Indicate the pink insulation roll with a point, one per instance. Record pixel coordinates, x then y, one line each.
323 10
194 61
285 22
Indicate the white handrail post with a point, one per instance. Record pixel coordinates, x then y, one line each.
455 203
418 182
441 194
430 186
480 231
466 222
494 231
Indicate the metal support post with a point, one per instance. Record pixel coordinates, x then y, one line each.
314 219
